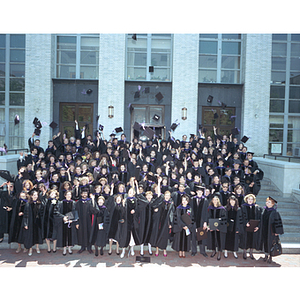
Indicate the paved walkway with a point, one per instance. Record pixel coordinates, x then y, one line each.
9 258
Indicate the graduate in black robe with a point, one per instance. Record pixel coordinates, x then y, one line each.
148 219
100 224
271 227
165 214
84 209
16 220
33 222
252 240
114 205
65 229
216 238
199 206
182 230
7 196
130 230
234 226
49 207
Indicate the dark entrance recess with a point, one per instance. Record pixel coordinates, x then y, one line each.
69 112
151 116
222 119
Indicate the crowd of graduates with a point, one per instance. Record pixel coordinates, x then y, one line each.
147 192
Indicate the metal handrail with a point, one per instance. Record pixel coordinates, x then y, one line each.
283 156
16 151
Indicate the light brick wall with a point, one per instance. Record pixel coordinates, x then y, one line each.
38 85
111 80
185 82
256 93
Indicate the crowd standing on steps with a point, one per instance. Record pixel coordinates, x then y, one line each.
195 193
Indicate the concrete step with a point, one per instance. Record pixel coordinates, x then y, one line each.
290 237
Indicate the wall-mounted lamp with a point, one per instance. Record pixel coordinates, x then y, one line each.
184 113
110 111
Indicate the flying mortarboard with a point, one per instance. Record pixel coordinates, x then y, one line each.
244 139
148 132
136 95
216 116
151 69
210 99
235 131
118 129
156 117
174 125
137 126
17 119
37 131
53 125
89 91
159 96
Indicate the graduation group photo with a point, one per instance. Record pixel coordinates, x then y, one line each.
146 197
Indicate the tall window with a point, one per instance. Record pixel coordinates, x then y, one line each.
220 58
284 134
149 57
12 89
77 56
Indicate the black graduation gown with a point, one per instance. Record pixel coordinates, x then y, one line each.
114 216
271 224
84 209
235 223
49 217
182 242
122 232
6 199
130 225
16 221
100 226
34 219
251 239
165 215
224 197
216 238
65 234
200 214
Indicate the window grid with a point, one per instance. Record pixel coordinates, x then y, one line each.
220 58
73 55
285 93
143 53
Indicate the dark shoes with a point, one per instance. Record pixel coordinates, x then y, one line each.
219 255
204 254
213 254
193 253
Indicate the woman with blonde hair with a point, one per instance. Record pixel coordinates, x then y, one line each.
27 185
250 239
216 237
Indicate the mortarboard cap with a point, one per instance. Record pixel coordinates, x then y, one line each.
270 198
101 127
35 120
151 69
173 126
134 37
53 125
169 158
200 126
210 99
17 119
235 131
199 187
147 90
89 91
159 96
216 116
148 132
244 139
118 129
249 152
156 117
136 126
112 134
204 130
131 108
136 95
37 131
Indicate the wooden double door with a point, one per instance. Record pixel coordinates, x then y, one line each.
69 112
